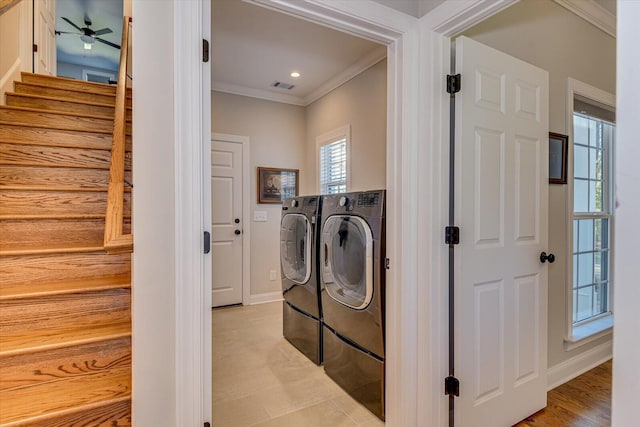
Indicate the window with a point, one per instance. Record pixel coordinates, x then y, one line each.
591 215
333 161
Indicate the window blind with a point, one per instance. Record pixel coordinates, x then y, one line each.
333 167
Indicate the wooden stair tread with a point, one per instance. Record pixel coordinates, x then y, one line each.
36 134
55 216
47 339
22 290
38 89
37 155
67 83
49 103
50 398
54 112
57 202
58 119
64 178
58 98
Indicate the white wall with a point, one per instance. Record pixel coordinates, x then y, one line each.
626 350
362 103
74 71
15 45
550 37
276 133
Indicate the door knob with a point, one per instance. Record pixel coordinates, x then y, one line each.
237 220
237 232
544 258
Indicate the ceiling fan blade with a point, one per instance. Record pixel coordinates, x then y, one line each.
107 43
72 24
102 31
68 32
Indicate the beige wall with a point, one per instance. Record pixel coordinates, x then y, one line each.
362 103
283 135
547 35
15 45
276 133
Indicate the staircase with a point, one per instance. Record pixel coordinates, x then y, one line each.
65 303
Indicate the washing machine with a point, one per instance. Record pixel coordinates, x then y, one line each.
352 276
302 310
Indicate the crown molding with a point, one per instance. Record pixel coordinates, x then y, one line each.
593 13
336 81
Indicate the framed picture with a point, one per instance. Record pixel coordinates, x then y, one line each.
558 158
275 185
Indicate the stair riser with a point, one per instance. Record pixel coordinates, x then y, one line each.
36 368
61 178
62 83
56 203
56 313
56 396
114 415
16 270
58 121
42 90
34 155
28 135
15 100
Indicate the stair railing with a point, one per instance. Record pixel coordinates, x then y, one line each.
114 239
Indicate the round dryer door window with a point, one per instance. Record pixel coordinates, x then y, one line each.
347 260
295 248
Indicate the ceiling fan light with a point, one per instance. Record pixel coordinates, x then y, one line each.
87 39
87 46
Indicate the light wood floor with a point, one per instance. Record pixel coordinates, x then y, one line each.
582 402
261 380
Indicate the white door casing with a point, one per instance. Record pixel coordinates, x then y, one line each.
226 209
501 202
44 37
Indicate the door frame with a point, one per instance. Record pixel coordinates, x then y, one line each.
245 142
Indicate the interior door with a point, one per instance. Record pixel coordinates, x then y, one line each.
226 223
502 197
44 36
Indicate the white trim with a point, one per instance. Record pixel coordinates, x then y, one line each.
328 138
265 298
453 17
578 365
593 13
589 332
245 141
192 295
576 87
336 81
6 82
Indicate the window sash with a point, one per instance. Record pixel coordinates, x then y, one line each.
333 166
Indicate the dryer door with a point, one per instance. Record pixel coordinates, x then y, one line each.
295 248
347 260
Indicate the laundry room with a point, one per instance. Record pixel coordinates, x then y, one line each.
282 88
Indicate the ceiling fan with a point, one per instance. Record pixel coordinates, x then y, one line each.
87 35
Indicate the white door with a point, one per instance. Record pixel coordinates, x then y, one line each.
502 186
44 36
226 223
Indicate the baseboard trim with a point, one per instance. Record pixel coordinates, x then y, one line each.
265 298
578 365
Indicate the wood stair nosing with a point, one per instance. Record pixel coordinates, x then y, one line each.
21 291
48 398
111 412
58 364
44 341
67 83
58 120
34 134
38 89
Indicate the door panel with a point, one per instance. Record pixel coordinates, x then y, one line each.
44 37
502 191
226 207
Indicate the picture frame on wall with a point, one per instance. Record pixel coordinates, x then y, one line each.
276 184
558 146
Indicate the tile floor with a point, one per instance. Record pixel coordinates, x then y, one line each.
261 380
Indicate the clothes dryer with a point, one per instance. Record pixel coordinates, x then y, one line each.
302 311
352 275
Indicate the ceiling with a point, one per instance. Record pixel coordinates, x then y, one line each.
103 14
253 46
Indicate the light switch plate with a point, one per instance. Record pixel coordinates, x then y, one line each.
260 216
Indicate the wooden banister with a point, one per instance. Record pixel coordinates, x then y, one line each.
114 239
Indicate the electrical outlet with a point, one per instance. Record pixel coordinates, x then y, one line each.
272 275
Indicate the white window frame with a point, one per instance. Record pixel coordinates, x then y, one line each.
343 132
86 73
588 330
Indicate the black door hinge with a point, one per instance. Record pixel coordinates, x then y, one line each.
207 242
451 386
35 47
452 235
453 83
205 50
386 263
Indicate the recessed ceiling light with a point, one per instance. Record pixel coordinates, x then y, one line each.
295 74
